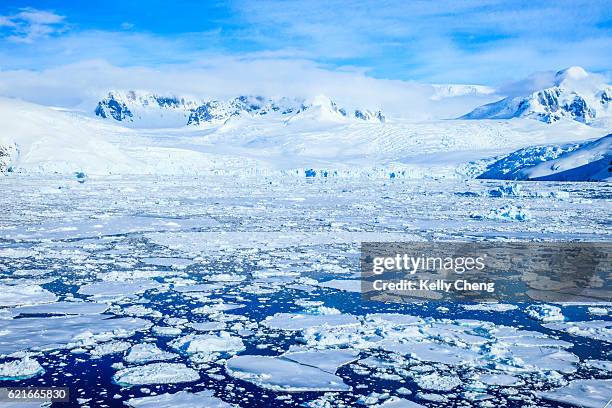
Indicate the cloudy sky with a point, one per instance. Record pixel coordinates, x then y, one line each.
58 51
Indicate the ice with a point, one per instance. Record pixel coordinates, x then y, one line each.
116 289
207 326
599 311
499 379
19 295
599 364
290 321
276 374
20 369
156 373
545 313
505 213
208 343
438 382
581 393
49 333
347 285
181 399
62 308
326 360
395 402
491 307
111 347
595 329
147 352
176 263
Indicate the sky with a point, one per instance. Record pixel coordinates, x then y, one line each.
59 51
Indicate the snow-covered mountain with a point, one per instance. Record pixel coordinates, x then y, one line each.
575 94
148 110
589 161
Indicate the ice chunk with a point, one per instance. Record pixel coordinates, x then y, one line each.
505 213
438 382
156 373
62 308
292 321
19 295
326 360
490 307
147 352
545 313
117 289
181 399
208 343
347 285
111 347
20 369
277 374
582 393
595 329
395 402
49 333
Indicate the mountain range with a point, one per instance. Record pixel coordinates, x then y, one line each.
149 110
575 94
144 132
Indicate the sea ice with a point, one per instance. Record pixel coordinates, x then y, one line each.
208 343
545 313
147 352
582 393
20 369
277 374
181 399
156 373
19 295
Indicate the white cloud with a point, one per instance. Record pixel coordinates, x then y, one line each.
31 24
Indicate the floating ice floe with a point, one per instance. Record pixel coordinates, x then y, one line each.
396 402
582 393
347 285
156 373
545 313
293 321
20 295
598 311
216 308
48 333
147 352
507 190
62 308
490 307
505 213
208 343
20 369
207 326
141 311
437 382
181 399
111 347
175 263
277 374
117 289
327 360
594 329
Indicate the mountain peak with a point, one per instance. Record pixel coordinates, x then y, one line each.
575 95
574 73
147 109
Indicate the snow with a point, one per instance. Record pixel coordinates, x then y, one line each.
19 295
50 333
436 382
147 352
156 373
581 393
545 313
20 369
208 343
181 399
276 374
595 329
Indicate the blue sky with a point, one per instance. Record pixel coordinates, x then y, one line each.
487 42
